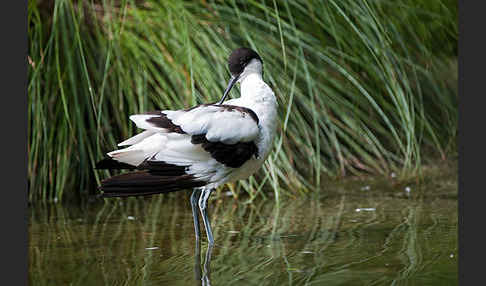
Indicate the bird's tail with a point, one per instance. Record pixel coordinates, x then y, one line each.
144 183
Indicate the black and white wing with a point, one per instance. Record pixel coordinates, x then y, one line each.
183 149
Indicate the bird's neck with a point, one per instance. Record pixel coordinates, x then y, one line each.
253 88
259 97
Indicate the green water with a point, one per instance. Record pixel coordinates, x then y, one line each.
357 233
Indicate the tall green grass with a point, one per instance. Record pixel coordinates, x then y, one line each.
363 86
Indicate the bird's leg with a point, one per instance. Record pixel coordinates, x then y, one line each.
195 215
203 199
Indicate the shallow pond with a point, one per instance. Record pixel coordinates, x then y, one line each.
357 233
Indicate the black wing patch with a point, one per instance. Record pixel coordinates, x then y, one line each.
231 155
144 183
163 122
154 167
109 163
162 168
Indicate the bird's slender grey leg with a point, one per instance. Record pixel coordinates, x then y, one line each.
195 215
203 199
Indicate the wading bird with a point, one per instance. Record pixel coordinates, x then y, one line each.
202 147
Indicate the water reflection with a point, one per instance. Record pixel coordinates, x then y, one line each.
202 276
325 241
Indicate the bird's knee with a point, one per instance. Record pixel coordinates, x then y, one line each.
202 204
203 199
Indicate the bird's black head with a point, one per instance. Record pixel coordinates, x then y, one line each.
237 62
239 58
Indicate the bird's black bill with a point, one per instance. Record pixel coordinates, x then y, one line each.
232 82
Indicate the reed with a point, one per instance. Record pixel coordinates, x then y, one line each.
363 86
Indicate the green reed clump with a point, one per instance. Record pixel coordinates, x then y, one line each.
363 86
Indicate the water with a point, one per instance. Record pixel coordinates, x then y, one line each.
356 233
